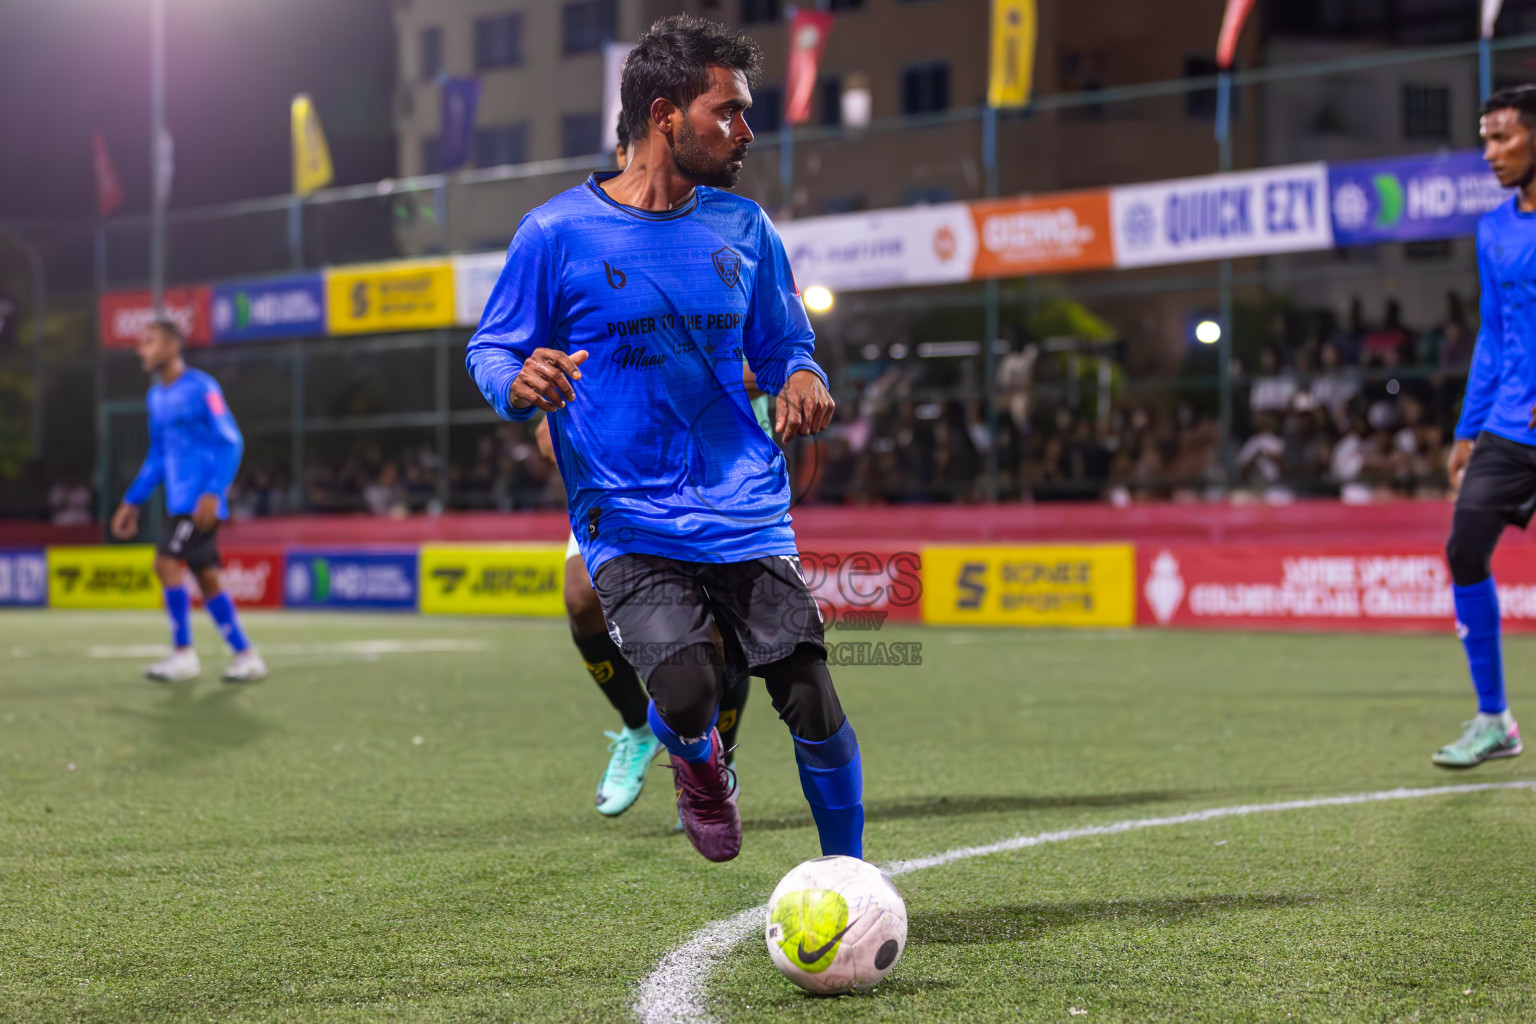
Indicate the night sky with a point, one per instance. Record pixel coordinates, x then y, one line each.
68 67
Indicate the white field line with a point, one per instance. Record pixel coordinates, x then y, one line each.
674 992
365 648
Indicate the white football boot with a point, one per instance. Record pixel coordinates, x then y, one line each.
178 668
246 668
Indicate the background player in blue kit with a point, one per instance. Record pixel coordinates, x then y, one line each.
194 450
648 289
1493 463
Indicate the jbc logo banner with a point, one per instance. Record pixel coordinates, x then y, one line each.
103 577
1091 585
503 579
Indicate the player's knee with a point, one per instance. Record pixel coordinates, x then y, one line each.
581 603
803 695
170 571
686 688
210 582
1470 558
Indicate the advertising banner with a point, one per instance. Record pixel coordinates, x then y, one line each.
1411 198
493 579
473 278
23 578
1086 585
1251 213
1393 588
285 307
862 588
253 577
124 315
886 249
398 296
120 576
1045 234
350 579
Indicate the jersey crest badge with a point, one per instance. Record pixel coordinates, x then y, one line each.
728 265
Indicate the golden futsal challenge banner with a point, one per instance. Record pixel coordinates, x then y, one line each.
389 296
120 576
1081 585
493 579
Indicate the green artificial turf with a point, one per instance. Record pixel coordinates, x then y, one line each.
386 834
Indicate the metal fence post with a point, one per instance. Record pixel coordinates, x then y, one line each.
297 497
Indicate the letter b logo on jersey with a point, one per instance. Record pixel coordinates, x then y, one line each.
616 278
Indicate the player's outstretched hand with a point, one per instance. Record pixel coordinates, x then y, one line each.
804 406
545 379
1456 464
206 515
125 522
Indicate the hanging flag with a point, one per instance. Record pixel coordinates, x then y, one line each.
807 40
1490 15
165 165
311 156
1231 28
109 190
461 98
613 68
1011 77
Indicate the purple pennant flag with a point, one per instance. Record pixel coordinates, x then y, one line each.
461 96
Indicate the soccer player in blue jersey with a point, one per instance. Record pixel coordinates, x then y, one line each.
194 450
625 312
1492 465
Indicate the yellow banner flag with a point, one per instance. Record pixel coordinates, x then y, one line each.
311 156
1012 74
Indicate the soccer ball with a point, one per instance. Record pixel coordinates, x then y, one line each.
836 925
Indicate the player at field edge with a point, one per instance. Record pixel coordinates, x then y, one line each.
654 285
194 450
1492 465
632 749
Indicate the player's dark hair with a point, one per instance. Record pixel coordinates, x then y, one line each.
671 61
170 329
1521 98
623 131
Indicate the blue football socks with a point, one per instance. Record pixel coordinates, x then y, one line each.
832 778
178 605
223 611
1477 624
695 751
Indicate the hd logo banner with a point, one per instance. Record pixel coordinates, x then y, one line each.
398 296
1411 198
120 576
1089 585
493 579
23 578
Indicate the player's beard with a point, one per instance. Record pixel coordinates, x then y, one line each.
691 159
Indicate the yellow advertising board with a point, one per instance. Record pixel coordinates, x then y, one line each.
493 579
398 296
121 576
1080 585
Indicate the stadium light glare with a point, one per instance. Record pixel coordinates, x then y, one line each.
818 299
1208 332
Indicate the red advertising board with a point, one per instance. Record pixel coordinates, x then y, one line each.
1396 588
124 315
252 576
862 588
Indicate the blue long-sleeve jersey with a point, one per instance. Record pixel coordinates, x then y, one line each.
1501 388
194 445
660 451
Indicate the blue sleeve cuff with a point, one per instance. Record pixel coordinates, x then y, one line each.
772 384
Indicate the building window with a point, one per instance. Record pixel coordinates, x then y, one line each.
1431 251
1427 112
498 41
845 5
758 12
928 194
581 134
431 154
831 90
431 53
505 145
925 89
587 25
767 113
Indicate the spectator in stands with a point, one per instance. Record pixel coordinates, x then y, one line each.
1261 459
385 496
1335 386
69 503
1388 345
1455 338
1273 387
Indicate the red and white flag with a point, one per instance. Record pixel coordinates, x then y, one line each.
109 190
807 40
1231 28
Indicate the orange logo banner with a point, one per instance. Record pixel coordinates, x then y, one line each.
1066 231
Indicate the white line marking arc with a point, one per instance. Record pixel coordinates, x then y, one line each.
674 992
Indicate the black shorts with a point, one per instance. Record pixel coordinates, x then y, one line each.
1501 477
181 540
657 608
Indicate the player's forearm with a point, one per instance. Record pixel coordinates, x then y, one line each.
143 486
494 369
774 369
